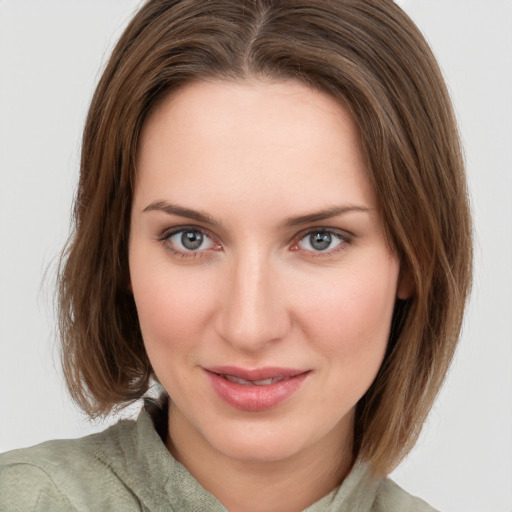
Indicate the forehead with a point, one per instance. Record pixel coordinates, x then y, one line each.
253 142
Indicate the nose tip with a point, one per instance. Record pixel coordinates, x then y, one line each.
253 313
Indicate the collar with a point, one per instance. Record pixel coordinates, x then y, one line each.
137 454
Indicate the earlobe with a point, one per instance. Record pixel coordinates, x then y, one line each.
405 289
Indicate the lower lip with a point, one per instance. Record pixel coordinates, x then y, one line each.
255 398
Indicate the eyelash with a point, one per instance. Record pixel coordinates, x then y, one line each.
343 237
167 235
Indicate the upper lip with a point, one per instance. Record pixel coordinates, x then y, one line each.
256 374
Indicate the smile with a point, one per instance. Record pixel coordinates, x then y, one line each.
255 390
264 382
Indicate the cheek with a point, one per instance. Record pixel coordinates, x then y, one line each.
351 320
172 307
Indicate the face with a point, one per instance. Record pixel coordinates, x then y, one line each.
263 282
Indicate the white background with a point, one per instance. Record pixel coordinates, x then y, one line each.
50 56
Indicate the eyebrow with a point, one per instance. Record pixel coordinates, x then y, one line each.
328 213
205 218
172 209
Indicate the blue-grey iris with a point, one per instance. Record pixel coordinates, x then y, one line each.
192 240
321 240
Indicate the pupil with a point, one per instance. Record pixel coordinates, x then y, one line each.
320 241
192 239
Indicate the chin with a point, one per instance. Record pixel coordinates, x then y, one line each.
273 449
262 441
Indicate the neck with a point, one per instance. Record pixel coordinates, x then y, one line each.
284 485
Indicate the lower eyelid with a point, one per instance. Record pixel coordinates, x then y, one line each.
165 239
172 249
343 238
340 248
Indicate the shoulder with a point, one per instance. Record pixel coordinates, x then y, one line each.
392 498
63 475
26 486
364 491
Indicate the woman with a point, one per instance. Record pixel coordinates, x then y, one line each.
271 222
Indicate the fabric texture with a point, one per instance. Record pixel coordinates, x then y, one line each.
128 468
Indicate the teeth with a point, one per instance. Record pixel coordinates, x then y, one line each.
238 380
264 382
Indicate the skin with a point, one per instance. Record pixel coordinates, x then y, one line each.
251 156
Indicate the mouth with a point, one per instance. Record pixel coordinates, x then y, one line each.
255 390
244 382
255 377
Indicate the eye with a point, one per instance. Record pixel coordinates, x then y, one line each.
187 240
320 240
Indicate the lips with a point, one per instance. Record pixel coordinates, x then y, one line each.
255 390
264 382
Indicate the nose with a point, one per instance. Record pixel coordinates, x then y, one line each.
253 310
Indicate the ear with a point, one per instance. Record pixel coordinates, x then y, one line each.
405 288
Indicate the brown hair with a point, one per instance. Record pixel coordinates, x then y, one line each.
371 57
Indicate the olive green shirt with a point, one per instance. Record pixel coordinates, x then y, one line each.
128 468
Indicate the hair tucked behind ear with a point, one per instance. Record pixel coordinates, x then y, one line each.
372 58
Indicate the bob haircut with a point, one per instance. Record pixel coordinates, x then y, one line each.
369 56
